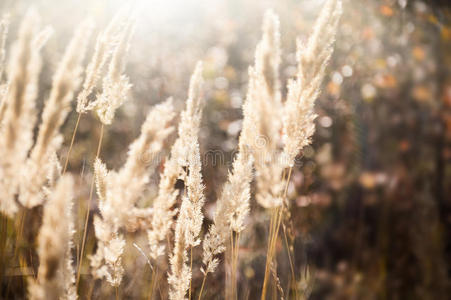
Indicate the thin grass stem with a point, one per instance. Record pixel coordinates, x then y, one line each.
202 286
88 210
71 143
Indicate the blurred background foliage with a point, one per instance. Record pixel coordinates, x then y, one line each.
370 198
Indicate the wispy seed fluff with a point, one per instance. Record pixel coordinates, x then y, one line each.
19 118
4 25
231 210
56 278
233 205
119 191
188 226
191 117
299 116
65 81
268 55
163 211
102 52
268 108
125 186
107 261
264 100
274 152
190 218
116 85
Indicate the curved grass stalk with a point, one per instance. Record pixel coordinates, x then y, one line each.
91 192
275 223
71 143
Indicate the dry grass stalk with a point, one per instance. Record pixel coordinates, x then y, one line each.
233 205
4 25
107 261
265 89
299 116
231 210
65 81
189 221
56 278
16 132
105 44
162 219
119 191
163 212
126 186
119 40
187 228
102 52
116 85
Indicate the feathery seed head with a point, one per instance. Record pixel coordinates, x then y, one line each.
55 274
4 25
267 56
312 58
119 191
56 109
18 110
105 44
116 85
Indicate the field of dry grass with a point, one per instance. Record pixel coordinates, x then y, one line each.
235 150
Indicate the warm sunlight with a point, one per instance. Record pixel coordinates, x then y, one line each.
225 149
